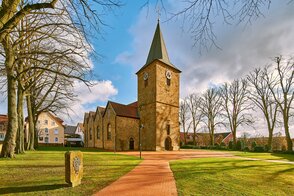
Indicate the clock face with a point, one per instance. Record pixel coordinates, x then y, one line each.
168 74
145 76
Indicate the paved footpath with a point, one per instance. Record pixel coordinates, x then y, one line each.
153 176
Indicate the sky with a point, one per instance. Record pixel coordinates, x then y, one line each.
126 40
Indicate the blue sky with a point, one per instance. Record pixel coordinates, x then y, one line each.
127 39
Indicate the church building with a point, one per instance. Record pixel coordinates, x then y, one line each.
155 116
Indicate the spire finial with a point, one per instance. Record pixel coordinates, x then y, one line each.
158 13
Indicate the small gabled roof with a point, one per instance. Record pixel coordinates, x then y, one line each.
124 110
101 109
158 50
70 129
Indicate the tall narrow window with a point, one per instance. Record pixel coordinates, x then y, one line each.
167 81
109 132
98 132
90 133
168 129
146 82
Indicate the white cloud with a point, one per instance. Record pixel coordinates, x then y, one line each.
242 49
88 98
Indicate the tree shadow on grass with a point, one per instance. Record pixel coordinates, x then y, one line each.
285 156
25 189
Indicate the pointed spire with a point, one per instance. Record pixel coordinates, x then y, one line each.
158 49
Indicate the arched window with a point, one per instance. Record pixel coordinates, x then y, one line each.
109 132
98 133
146 82
168 81
90 133
46 130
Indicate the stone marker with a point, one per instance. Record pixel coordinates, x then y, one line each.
73 167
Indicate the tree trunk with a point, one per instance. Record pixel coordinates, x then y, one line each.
10 137
287 133
20 131
31 135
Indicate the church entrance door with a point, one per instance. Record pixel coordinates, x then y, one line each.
131 144
168 144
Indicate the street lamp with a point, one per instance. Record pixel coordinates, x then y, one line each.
140 145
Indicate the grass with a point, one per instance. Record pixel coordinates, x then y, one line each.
265 155
231 176
42 172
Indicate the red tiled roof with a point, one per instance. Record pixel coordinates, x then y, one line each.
125 110
134 104
3 118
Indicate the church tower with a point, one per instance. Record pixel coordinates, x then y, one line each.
158 98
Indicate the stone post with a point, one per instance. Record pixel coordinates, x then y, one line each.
73 167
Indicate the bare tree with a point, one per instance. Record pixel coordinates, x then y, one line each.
211 108
194 105
281 84
261 95
236 105
184 118
82 17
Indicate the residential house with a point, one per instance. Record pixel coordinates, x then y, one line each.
50 129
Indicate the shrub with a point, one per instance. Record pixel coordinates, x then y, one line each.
284 148
253 145
223 144
258 149
239 145
246 149
231 145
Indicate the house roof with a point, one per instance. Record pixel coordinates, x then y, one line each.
125 110
70 129
158 50
134 104
3 118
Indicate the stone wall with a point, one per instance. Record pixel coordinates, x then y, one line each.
126 128
109 119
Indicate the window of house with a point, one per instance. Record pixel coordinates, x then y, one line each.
2 136
41 138
98 132
46 122
53 123
46 139
168 129
90 134
109 132
46 130
1 127
56 131
56 139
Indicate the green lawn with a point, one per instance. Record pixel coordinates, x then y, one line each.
231 176
42 172
268 156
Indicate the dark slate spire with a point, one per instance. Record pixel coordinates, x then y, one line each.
158 49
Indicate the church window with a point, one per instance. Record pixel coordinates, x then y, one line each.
146 82
98 132
167 81
90 134
168 129
109 132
